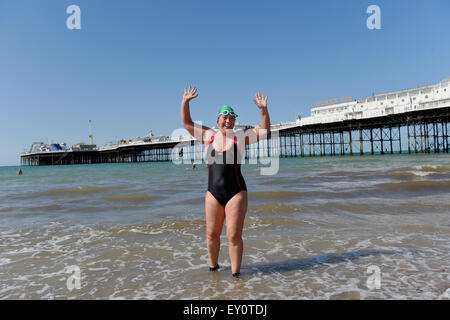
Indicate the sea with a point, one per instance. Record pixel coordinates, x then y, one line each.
345 227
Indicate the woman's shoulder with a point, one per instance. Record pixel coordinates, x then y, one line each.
208 136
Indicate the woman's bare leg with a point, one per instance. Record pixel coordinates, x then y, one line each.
215 215
235 214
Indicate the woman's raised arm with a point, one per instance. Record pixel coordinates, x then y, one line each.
199 132
256 134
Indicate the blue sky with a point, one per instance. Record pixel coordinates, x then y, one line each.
126 68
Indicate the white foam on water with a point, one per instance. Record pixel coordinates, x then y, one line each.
4 261
148 232
293 257
422 173
445 295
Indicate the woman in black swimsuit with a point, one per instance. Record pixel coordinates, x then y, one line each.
226 197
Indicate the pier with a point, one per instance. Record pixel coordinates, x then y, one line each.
423 131
407 121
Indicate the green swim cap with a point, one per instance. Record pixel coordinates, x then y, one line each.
226 108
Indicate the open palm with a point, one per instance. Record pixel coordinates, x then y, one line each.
190 93
261 100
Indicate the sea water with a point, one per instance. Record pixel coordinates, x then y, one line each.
321 228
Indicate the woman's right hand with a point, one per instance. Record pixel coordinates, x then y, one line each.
190 93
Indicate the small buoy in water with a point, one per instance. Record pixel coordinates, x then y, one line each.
19 172
188 168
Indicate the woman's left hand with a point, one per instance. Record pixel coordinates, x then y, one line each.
261 101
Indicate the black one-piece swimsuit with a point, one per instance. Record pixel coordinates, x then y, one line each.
224 172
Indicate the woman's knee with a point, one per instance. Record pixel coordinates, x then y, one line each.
234 237
212 236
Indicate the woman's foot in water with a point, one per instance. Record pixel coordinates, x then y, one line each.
214 268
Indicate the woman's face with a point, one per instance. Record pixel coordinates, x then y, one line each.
226 122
